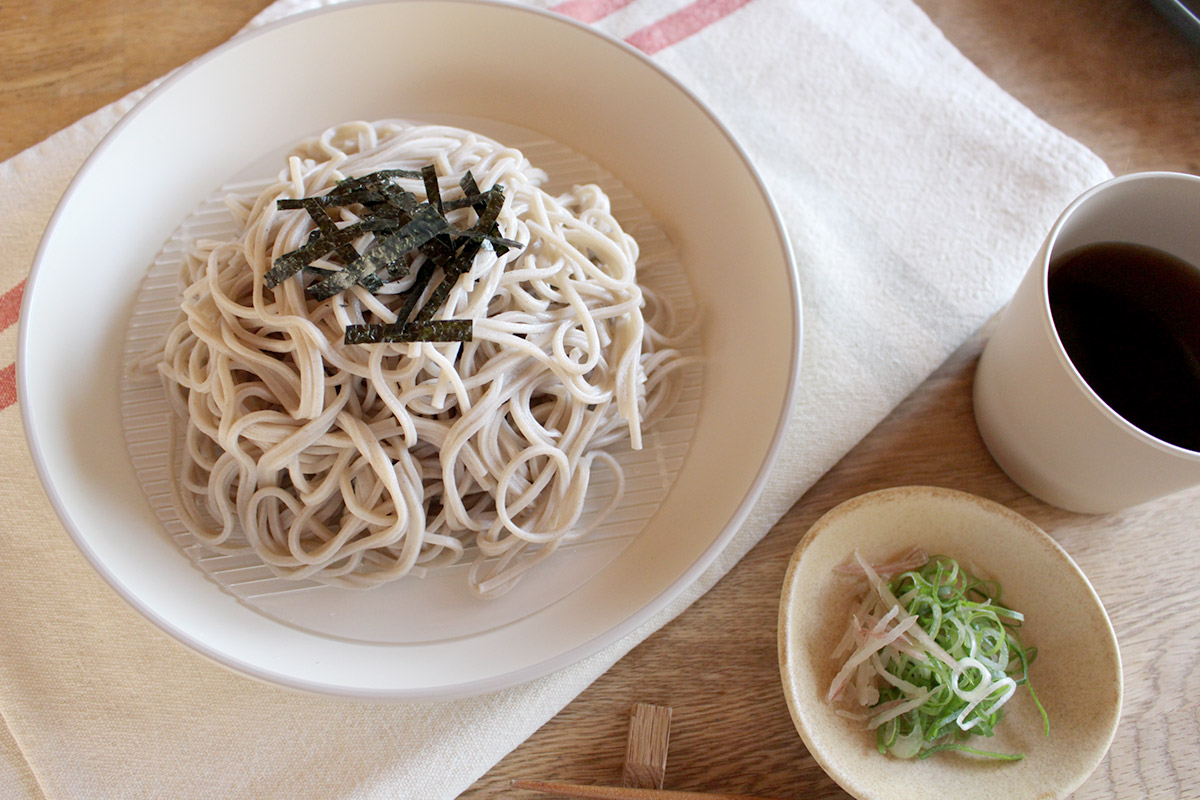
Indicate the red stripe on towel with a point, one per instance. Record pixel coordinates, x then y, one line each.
683 23
589 10
10 305
8 386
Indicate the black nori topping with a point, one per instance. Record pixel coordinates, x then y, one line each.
468 185
404 229
389 251
327 238
433 194
463 259
424 275
438 330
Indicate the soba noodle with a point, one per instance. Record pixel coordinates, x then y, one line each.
357 464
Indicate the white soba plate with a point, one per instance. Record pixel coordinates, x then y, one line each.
589 105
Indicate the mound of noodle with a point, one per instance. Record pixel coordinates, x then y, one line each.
354 465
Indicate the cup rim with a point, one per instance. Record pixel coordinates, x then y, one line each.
1044 259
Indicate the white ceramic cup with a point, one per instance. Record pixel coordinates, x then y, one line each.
1040 420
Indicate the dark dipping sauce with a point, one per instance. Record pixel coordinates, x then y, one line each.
1129 318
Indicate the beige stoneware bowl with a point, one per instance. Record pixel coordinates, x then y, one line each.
1077 673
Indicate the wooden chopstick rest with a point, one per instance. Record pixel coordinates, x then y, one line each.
646 748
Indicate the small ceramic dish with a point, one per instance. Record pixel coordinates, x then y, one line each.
1077 672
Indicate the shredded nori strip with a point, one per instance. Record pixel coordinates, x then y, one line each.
438 330
424 275
462 262
405 231
432 192
386 253
468 185
329 238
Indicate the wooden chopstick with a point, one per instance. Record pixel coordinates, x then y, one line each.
621 792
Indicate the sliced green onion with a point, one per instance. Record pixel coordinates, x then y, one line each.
933 657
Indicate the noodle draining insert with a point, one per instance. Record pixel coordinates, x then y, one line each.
438 606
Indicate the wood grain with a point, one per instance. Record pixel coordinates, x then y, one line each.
61 59
600 792
1112 74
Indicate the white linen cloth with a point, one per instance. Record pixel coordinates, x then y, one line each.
915 192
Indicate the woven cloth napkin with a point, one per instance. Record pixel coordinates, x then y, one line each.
915 192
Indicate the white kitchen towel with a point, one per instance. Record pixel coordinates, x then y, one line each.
915 192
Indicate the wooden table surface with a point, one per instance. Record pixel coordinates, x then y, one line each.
1112 74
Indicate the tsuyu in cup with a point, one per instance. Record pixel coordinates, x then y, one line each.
1088 392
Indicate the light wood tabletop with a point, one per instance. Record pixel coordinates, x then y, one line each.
1110 73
